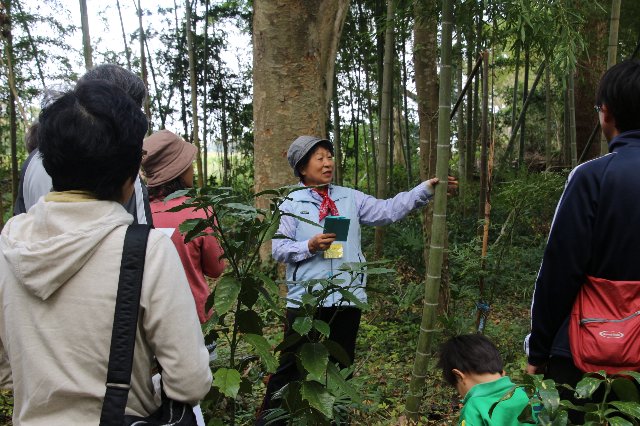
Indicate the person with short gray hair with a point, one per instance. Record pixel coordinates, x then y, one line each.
34 180
310 254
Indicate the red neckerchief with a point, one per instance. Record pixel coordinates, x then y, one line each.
327 206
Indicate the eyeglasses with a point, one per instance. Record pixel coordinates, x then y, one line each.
597 108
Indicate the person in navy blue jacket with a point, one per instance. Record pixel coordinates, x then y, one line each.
596 228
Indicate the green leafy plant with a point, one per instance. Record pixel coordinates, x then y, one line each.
610 399
241 230
324 393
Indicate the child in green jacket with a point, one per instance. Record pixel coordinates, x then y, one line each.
472 364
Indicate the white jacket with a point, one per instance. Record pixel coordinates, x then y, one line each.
59 274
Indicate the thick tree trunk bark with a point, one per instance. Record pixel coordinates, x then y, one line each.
294 48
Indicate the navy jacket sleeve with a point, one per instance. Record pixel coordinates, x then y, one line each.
565 261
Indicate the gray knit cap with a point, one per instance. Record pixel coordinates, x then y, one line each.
300 147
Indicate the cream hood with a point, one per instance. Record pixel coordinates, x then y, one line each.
49 244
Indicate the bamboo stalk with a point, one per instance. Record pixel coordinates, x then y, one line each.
438 230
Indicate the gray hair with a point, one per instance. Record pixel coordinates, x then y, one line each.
121 77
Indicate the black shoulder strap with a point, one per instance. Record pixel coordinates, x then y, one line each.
125 322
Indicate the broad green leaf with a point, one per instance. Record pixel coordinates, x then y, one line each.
587 386
337 352
264 351
634 374
347 295
526 415
549 395
380 271
249 291
314 358
335 376
215 422
322 327
625 389
249 322
302 325
228 381
561 419
226 294
308 299
241 207
618 421
631 409
318 397
179 193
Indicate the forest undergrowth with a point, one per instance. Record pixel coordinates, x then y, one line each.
522 213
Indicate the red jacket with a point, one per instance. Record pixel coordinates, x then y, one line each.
200 256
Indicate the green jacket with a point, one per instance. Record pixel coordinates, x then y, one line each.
481 397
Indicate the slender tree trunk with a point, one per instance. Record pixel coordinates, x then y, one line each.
462 134
127 51
385 111
374 154
293 67
425 57
471 143
566 140
180 72
225 142
194 91
86 38
514 103
572 120
158 96
525 95
548 117
336 131
143 68
205 95
612 53
484 134
438 232
7 34
407 131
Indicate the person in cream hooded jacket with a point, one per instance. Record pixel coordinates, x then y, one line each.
59 273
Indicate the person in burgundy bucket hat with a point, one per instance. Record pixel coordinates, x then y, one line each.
168 167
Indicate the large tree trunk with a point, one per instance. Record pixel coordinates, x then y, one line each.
438 231
86 38
294 51
385 112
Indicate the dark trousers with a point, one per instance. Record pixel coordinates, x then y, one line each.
343 322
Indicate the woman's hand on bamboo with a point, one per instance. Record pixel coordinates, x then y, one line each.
321 242
452 185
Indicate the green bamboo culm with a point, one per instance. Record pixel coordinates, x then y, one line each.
438 228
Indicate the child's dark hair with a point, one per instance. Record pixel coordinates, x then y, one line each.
469 353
